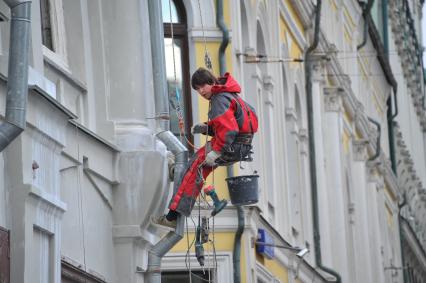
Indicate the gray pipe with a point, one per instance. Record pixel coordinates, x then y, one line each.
312 161
365 11
156 253
225 36
158 65
236 254
17 83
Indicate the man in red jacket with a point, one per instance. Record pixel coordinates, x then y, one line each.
232 123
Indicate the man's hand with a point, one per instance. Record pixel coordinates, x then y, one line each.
211 158
200 128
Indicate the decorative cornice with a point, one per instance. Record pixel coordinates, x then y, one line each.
402 26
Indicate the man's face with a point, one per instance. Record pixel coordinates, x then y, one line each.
205 91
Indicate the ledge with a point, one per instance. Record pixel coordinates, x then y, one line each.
52 101
94 135
46 197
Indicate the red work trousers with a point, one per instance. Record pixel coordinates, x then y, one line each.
184 199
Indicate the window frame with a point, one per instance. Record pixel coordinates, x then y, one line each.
178 262
59 44
180 31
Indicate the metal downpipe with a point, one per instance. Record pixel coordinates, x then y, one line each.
312 161
236 254
391 116
161 96
401 235
225 36
365 11
156 253
17 83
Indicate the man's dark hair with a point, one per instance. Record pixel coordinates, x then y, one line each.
201 77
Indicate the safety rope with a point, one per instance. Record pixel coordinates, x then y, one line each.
181 124
207 60
179 113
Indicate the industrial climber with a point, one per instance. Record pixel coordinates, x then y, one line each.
231 123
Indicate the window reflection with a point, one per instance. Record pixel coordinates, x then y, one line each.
174 85
179 64
166 12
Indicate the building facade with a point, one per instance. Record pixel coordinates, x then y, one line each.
338 86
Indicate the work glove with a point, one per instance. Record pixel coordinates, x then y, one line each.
200 128
211 158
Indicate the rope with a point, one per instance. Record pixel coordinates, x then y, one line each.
181 123
207 60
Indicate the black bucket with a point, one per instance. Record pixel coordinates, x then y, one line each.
243 189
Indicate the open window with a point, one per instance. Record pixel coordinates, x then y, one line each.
177 64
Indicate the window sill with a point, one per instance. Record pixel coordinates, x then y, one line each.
59 64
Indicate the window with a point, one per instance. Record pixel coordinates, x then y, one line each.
53 32
177 64
42 259
183 277
46 25
175 268
264 276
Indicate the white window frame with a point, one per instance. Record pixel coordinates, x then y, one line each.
263 274
59 43
176 262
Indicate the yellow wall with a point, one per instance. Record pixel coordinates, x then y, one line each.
294 15
287 38
346 138
279 271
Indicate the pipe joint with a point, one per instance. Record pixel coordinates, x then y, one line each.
13 3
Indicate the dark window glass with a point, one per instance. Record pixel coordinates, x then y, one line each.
46 24
183 277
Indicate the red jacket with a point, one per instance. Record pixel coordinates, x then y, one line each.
229 114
